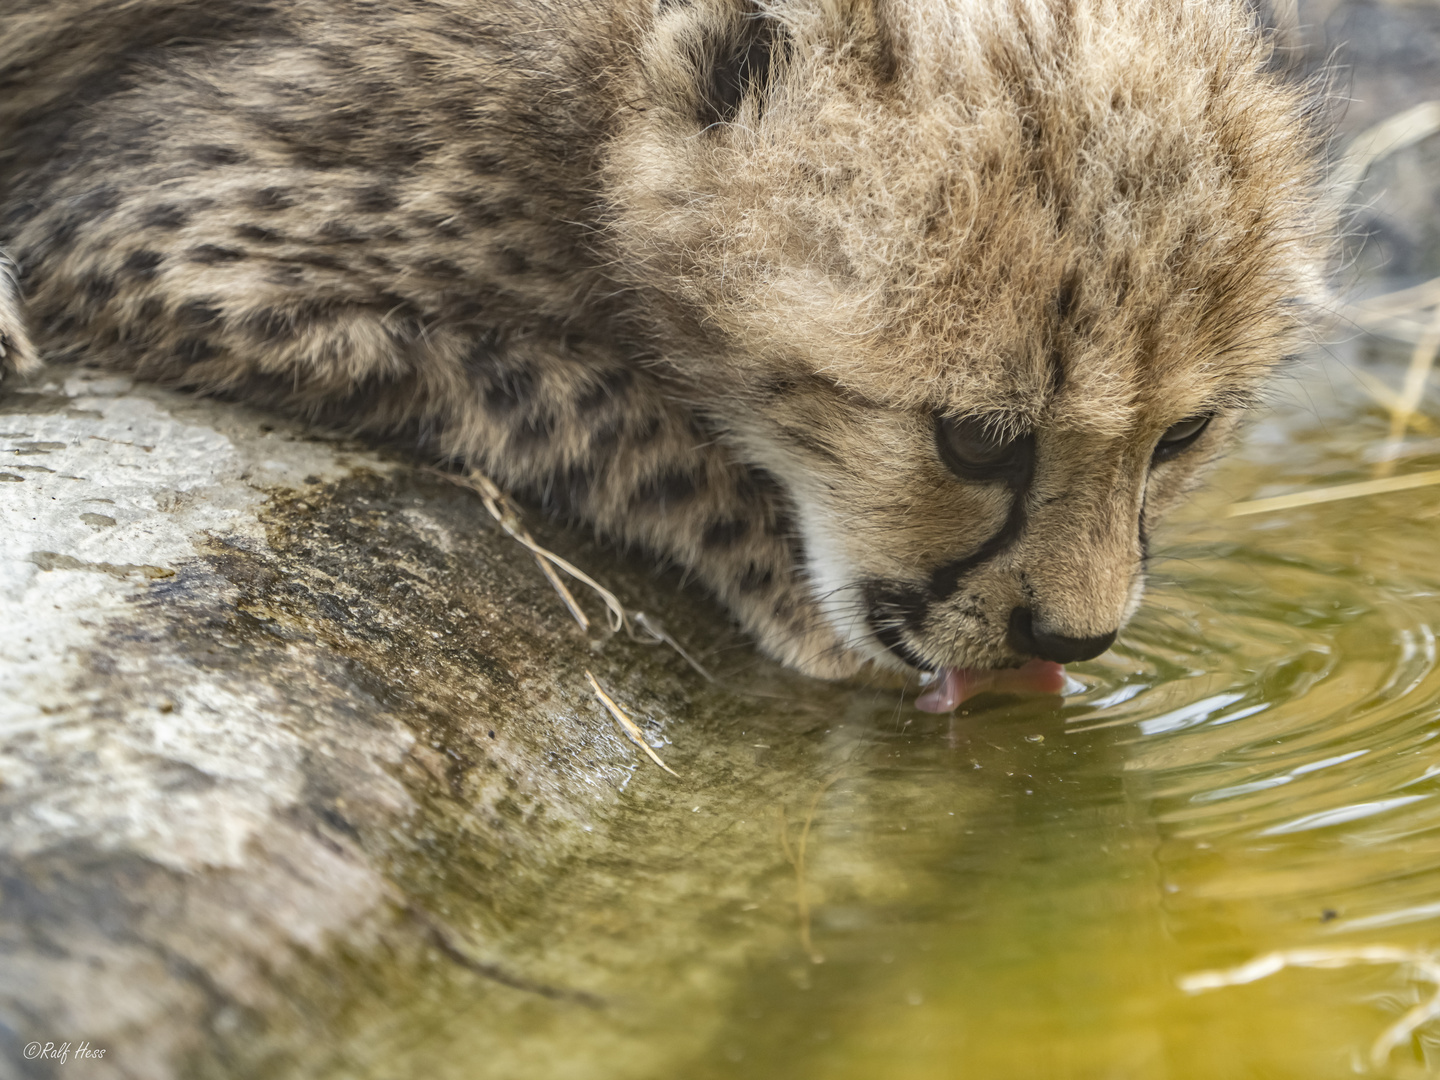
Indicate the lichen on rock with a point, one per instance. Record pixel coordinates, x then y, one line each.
296 742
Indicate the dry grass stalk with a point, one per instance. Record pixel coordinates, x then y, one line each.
1422 360
1390 401
1380 141
1398 315
1423 966
1334 494
504 512
796 857
1400 301
662 636
632 729
1389 314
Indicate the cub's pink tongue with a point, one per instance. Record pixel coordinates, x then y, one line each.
954 685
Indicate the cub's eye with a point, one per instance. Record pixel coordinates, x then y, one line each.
974 451
1178 437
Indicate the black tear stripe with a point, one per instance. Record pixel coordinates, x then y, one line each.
946 578
1144 534
894 608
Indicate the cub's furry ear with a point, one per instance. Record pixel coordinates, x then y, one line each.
727 51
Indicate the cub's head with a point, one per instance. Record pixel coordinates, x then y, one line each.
983 283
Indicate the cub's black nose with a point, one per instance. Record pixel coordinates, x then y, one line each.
1024 638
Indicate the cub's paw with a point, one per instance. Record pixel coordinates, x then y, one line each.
17 353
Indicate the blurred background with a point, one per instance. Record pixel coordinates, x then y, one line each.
1385 59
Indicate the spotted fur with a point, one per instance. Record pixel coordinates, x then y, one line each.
704 273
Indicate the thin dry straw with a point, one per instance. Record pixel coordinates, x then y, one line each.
501 509
503 512
1399 301
1382 314
1424 966
1385 314
1421 361
1396 315
1390 400
631 728
1383 139
796 857
1334 494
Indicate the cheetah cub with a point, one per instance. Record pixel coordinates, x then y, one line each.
898 323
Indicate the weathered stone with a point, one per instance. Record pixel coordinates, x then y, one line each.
299 757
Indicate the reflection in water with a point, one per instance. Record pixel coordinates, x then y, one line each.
838 887
1023 891
1421 965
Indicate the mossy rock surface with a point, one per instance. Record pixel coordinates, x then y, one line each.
302 775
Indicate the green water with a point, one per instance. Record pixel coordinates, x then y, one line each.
837 886
1020 892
